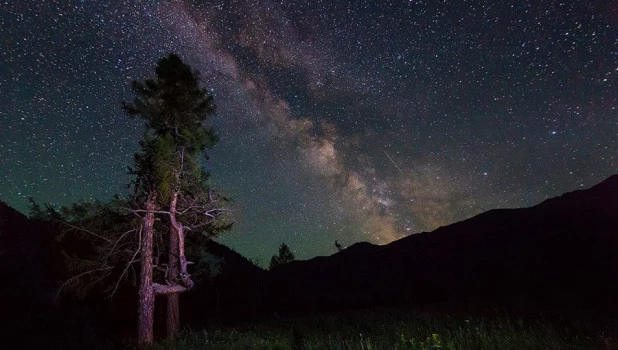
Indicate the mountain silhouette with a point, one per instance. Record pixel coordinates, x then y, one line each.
31 267
561 253
236 292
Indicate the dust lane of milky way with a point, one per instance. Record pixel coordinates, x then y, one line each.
347 121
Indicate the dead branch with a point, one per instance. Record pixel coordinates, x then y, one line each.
85 230
111 251
168 289
145 211
130 262
76 277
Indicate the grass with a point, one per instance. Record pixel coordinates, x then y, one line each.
395 330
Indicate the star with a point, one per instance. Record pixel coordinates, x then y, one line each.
339 121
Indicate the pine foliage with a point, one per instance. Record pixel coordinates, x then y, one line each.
284 256
102 239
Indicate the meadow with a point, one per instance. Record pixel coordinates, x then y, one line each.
388 329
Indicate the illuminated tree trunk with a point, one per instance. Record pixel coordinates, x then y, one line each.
178 267
145 312
184 278
173 307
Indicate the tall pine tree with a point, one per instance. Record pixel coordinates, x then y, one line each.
170 180
171 196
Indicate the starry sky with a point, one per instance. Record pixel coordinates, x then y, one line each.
339 120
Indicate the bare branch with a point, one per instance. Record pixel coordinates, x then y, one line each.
168 289
85 230
147 211
130 262
116 243
74 278
210 212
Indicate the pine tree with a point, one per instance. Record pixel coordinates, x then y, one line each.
170 179
170 196
285 256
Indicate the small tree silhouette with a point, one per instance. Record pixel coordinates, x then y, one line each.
338 246
285 256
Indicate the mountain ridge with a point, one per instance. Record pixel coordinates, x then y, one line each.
562 250
559 254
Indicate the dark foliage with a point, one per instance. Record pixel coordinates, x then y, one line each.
34 265
284 256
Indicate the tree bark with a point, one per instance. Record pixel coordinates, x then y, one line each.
177 270
172 320
145 311
167 289
173 314
184 277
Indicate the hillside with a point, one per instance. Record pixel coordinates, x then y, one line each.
32 266
562 253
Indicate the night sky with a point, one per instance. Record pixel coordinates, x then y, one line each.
339 120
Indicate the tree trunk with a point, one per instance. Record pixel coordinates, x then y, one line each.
172 320
145 311
177 261
173 314
184 277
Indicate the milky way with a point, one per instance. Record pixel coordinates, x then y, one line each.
347 121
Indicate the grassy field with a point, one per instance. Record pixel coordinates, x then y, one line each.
399 330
